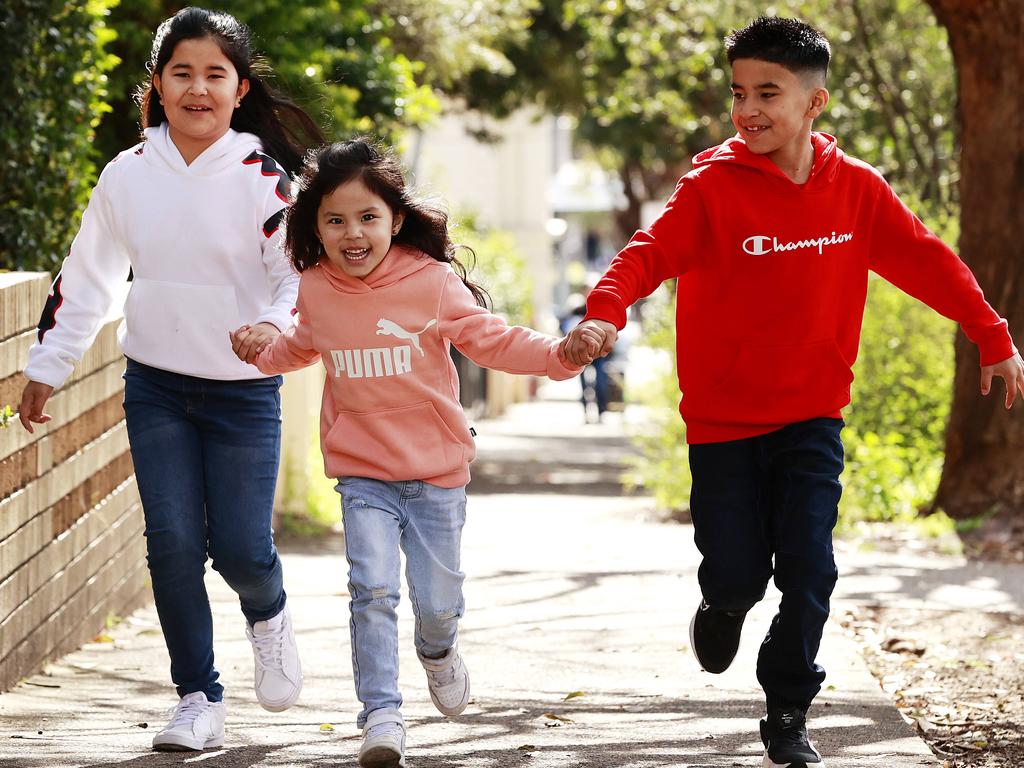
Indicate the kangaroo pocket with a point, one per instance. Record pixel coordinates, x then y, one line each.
773 384
175 324
408 443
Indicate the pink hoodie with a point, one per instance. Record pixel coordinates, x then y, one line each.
391 399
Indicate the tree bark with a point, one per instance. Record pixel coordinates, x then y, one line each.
984 464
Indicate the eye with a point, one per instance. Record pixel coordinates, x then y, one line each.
368 217
334 220
767 96
737 96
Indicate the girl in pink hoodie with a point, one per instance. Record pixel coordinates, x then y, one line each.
381 300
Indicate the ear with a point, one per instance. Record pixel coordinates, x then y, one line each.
243 88
819 100
157 85
396 225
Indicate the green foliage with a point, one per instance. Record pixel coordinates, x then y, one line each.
54 84
896 424
647 82
499 267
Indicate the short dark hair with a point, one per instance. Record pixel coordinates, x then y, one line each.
798 47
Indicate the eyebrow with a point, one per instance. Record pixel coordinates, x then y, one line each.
759 86
371 209
217 67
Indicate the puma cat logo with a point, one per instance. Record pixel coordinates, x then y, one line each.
388 328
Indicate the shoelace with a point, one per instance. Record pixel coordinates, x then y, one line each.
185 713
444 676
390 730
792 738
270 648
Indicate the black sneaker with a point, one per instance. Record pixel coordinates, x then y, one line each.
786 744
715 637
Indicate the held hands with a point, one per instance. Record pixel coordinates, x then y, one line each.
587 341
1011 370
249 340
33 398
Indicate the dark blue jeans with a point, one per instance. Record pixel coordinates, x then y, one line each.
206 454
766 506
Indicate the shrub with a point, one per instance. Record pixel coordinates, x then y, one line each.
54 95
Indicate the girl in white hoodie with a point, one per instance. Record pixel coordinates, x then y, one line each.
192 213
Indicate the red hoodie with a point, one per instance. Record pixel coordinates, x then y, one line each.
772 282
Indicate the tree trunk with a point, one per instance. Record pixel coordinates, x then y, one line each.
984 466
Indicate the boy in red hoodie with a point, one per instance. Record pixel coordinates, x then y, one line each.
772 235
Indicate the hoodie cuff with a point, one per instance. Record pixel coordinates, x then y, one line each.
996 350
558 370
47 366
281 319
603 306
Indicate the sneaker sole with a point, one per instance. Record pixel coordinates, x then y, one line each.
769 763
172 746
381 757
272 706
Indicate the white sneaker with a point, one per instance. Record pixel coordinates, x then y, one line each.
277 673
196 723
448 681
383 740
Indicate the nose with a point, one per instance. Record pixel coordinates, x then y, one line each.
746 108
197 87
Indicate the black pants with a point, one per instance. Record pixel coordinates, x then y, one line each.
766 506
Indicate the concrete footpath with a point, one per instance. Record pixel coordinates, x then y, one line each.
578 604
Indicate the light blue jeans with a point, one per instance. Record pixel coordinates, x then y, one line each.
426 522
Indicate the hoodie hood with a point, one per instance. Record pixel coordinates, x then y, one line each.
225 153
399 262
827 159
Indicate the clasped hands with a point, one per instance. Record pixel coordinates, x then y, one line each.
588 341
249 340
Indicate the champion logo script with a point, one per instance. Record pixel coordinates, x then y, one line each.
761 245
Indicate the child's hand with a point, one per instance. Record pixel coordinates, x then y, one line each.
588 340
33 399
249 340
1011 370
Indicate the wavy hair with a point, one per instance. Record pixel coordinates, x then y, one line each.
425 226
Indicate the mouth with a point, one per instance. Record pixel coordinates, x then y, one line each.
355 254
755 130
198 108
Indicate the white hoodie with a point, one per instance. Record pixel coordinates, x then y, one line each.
203 244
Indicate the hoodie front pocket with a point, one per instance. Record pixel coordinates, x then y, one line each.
408 443
771 384
182 324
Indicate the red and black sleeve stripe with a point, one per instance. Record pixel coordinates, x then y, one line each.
49 317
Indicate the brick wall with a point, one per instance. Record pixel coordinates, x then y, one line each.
71 546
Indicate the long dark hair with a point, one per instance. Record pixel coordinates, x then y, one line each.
425 226
284 128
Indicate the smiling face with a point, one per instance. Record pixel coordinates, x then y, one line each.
199 89
355 226
773 108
